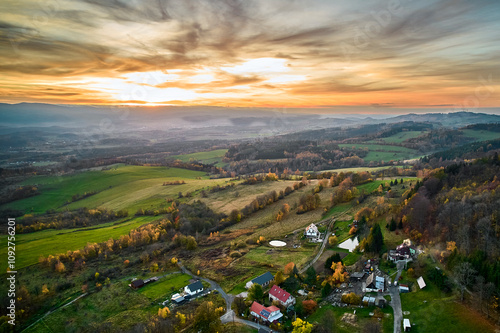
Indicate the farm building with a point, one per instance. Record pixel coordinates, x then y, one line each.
136 284
263 280
177 299
421 282
406 325
357 276
312 231
270 314
404 288
282 296
193 288
375 283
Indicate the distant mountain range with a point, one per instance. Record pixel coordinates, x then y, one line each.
166 117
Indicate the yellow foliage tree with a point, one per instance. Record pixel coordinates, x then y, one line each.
163 313
301 326
181 317
60 267
333 240
45 290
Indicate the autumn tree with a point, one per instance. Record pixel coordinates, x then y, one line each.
163 312
333 240
309 306
339 274
239 305
289 268
301 326
332 259
279 278
255 292
366 212
207 318
191 243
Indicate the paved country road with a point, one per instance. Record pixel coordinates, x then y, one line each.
231 317
396 299
214 285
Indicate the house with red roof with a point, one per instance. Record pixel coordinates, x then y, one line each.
270 313
282 296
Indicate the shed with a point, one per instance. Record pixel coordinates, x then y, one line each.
136 284
406 325
404 288
356 276
421 282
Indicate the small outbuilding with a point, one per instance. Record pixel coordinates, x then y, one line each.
136 284
421 282
357 276
406 325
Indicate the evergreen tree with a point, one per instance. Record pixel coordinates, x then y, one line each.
311 276
400 225
393 225
375 240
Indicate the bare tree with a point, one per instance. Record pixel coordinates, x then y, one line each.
464 273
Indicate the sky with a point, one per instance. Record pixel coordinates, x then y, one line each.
241 53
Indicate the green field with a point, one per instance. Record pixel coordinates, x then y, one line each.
481 135
30 246
121 187
402 136
432 311
377 147
116 304
205 157
378 152
165 286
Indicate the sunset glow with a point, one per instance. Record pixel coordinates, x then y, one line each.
256 54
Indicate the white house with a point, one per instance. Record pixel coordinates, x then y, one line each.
193 288
312 231
270 314
282 296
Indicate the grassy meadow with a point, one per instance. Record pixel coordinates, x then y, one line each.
119 187
205 157
30 246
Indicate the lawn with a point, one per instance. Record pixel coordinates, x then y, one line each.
205 157
279 257
119 187
30 246
362 315
167 285
432 311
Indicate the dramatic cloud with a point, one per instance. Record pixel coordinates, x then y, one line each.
267 53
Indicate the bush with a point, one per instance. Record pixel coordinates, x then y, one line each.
235 254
